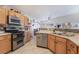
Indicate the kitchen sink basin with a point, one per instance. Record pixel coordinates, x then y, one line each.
65 34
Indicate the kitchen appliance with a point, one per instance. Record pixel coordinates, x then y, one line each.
13 20
17 40
14 27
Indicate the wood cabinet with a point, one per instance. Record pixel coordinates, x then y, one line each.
18 15
12 13
51 42
3 16
71 47
41 40
5 44
22 19
26 20
27 37
60 45
78 49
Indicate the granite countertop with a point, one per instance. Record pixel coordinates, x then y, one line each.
1 34
74 39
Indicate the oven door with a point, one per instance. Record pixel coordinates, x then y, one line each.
18 41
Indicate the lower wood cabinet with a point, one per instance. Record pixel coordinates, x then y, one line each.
27 37
51 43
71 47
60 45
5 44
78 49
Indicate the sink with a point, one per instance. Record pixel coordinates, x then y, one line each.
69 34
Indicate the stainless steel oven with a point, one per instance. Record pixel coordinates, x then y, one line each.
17 40
14 27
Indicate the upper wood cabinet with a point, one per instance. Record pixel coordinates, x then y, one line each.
12 13
3 16
22 19
51 42
60 45
26 20
71 47
17 15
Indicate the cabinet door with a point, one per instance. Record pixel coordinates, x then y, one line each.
78 50
12 13
71 47
22 19
26 20
27 37
5 44
60 45
18 15
3 16
51 43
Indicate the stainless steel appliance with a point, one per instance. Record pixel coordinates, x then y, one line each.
41 40
13 20
17 40
14 27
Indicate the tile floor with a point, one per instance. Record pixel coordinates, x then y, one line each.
30 48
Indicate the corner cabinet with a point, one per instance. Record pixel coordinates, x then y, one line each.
41 39
3 16
60 45
51 42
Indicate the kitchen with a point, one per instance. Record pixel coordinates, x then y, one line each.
39 29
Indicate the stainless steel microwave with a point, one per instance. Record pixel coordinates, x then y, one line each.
13 20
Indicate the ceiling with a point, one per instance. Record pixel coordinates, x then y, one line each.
43 12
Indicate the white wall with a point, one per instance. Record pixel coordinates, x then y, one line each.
68 18
73 18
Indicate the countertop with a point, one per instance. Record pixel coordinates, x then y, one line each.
1 34
74 39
